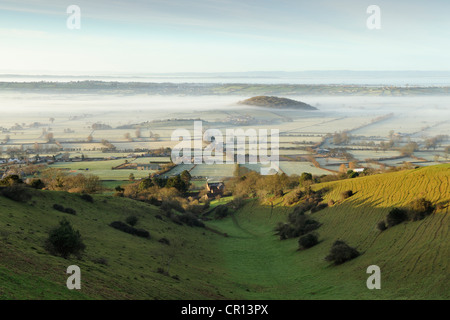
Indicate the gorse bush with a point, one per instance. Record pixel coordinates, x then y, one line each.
419 209
381 226
37 184
308 241
64 240
416 210
221 211
119 225
61 208
191 220
346 194
70 211
341 252
87 197
298 224
16 192
396 216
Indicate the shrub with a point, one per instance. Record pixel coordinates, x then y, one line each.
299 224
309 240
16 192
191 220
293 197
237 203
64 240
396 216
221 211
341 252
168 205
164 241
37 184
65 210
87 197
119 225
70 211
381 225
346 194
420 208
132 220
58 207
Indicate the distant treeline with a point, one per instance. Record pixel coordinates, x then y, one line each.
222 89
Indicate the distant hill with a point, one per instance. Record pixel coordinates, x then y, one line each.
277 103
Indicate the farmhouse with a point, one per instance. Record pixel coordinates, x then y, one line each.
215 187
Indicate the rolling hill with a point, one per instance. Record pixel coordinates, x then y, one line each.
276 103
251 263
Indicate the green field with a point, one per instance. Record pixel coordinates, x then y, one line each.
251 263
102 169
414 257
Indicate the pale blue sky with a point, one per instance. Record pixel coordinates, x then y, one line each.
163 36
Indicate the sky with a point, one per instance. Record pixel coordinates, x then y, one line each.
169 36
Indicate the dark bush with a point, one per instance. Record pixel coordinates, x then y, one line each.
299 224
221 211
164 241
58 207
64 240
132 220
65 210
87 197
37 184
191 220
119 225
308 240
168 205
175 218
396 216
341 252
17 192
381 225
142 233
70 211
346 194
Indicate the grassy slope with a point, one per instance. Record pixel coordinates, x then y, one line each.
251 263
27 271
414 257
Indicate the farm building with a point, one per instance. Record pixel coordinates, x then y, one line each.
215 187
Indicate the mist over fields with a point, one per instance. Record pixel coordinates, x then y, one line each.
123 109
